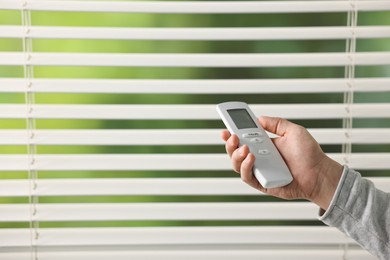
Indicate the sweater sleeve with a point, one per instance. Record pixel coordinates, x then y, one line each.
362 212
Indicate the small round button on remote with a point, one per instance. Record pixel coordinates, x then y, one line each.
256 140
263 152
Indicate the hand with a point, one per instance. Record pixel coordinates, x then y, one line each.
315 175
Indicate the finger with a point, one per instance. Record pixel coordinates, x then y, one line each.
275 125
247 173
238 157
232 145
246 169
225 134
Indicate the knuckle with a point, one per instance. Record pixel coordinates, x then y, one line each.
236 169
245 177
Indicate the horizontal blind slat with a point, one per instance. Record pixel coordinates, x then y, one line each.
195 60
176 162
198 86
199 7
159 211
191 112
174 137
275 33
198 253
140 186
286 235
133 186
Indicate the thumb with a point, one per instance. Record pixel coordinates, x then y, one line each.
275 125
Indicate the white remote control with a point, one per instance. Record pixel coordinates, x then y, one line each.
269 168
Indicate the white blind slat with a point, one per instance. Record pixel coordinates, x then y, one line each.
139 162
191 112
180 236
199 7
198 254
276 33
198 86
160 211
118 162
196 60
173 137
155 186
140 186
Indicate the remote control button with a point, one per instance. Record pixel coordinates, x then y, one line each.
257 140
251 135
263 152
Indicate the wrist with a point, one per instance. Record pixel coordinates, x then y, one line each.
329 174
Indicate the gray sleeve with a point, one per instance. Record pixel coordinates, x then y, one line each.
362 212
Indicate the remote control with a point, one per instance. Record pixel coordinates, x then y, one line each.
269 167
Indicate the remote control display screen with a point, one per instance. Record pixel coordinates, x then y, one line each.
241 118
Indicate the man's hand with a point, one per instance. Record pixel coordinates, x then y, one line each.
315 175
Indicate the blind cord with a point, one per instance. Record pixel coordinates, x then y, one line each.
349 93
30 128
349 75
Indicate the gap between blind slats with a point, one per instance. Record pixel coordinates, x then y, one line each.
199 253
197 7
195 60
52 212
174 136
123 236
141 187
171 162
196 86
191 112
278 33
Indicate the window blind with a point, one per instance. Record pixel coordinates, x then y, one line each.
110 141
